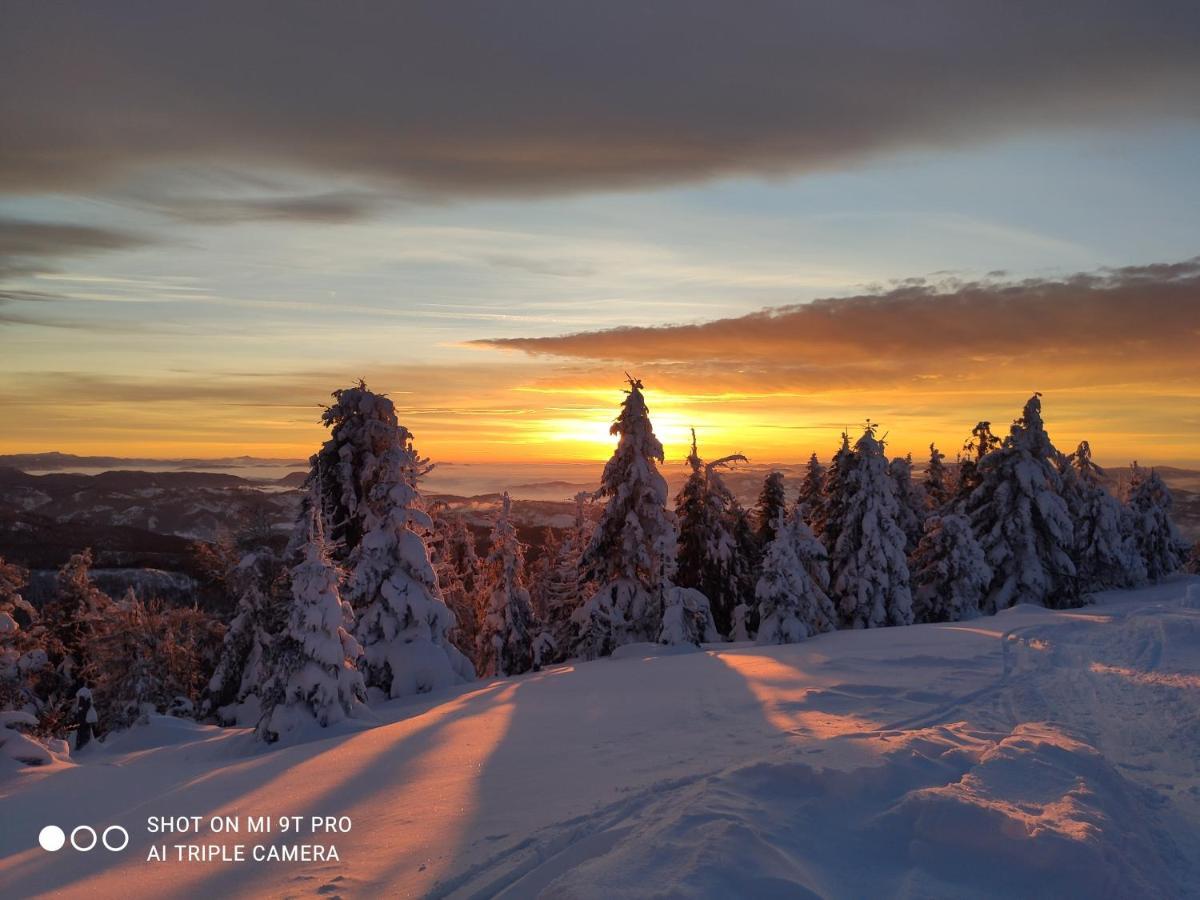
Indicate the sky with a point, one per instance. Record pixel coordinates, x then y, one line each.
785 218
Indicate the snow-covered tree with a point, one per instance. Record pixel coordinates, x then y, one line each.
868 568
949 571
562 589
366 475
771 499
1021 520
234 691
826 520
86 718
711 559
792 591
23 658
459 574
687 618
509 628
1149 502
73 615
938 489
910 500
1105 552
150 658
812 491
631 554
980 444
312 669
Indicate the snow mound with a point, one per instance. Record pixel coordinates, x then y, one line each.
964 814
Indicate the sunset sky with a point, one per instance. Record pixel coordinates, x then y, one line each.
783 217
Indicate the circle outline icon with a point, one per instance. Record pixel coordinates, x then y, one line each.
104 838
79 828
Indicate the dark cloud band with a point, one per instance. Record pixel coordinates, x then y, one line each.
1107 324
563 94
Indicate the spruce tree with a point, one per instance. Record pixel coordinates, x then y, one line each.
631 553
23 658
1021 520
826 519
234 692
792 591
910 500
1149 502
509 627
312 669
868 567
812 492
711 559
459 574
366 476
563 591
1105 553
980 444
771 499
949 571
937 482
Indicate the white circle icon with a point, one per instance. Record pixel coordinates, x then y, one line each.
123 833
52 838
75 843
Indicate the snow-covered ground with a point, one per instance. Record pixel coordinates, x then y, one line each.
1033 754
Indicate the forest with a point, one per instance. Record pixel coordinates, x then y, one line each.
379 594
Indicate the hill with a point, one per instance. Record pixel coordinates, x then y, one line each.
1034 753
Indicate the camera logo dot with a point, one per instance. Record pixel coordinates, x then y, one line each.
52 838
83 838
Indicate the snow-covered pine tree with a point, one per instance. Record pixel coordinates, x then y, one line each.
313 675
23 658
911 500
73 614
459 574
938 489
868 567
71 618
827 519
792 591
949 571
978 445
811 498
771 499
1149 502
234 692
509 628
1105 553
1021 520
631 554
711 559
366 475
563 591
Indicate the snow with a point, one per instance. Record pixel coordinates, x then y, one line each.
1034 753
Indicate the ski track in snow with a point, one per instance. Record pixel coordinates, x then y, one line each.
1035 753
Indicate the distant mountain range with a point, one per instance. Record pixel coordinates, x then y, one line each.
53 461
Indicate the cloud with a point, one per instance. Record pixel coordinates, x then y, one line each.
33 248
25 247
327 209
564 95
1118 324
